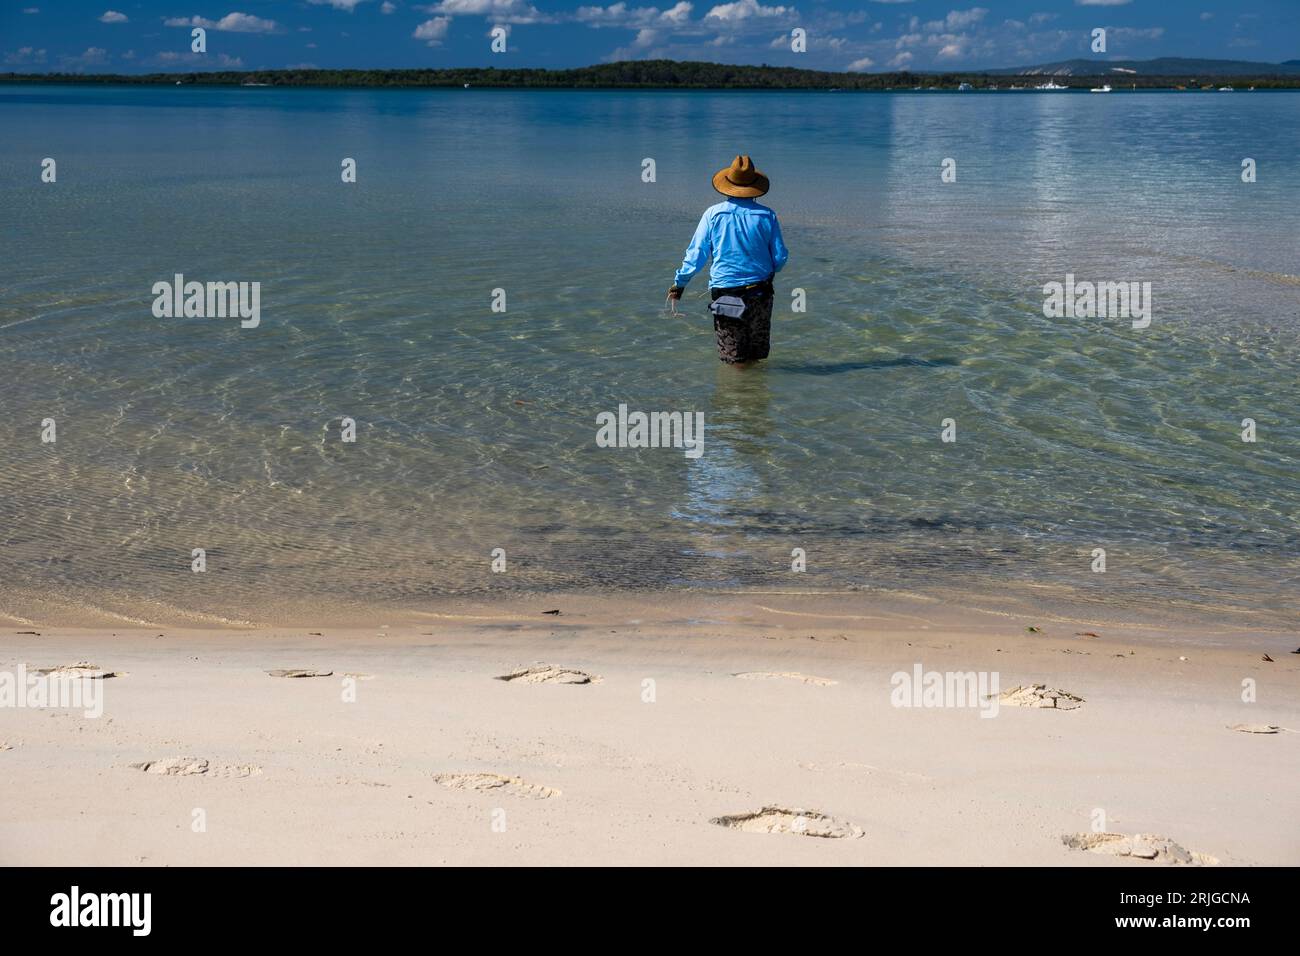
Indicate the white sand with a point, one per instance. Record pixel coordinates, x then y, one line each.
593 773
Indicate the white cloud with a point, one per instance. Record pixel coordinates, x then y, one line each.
31 9
857 66
955 20
172 58
348 5
621 15
112 16
230 23
386 7
742 10
901 61
1102 3
678 14
25 54
1135 33
434 31
499 11
94 56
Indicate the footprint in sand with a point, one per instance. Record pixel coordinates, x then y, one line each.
195 767
788 675
300 672
83 669
496 783
1141 846
1039 695
812 823
546 674
1257 728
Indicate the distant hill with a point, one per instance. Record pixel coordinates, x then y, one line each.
1162 66
674 75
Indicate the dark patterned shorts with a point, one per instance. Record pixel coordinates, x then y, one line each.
748 338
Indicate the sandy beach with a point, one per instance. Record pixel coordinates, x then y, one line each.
665 718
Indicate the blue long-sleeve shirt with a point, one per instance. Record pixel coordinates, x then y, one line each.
744 239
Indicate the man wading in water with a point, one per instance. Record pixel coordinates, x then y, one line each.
744 239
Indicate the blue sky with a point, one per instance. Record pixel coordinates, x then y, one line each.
134 36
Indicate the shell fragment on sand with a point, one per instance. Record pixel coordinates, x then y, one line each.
300 672
1039 695
546 674
81 669
1255 728
787 675
812 823
195 767
1140 846
496 783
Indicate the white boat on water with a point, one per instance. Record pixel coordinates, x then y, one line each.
965 87
1100 89
1049 85
1225 89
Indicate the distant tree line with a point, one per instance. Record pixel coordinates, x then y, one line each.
655 74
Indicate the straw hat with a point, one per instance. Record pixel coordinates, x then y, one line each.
740 179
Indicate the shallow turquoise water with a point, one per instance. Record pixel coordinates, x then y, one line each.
476 430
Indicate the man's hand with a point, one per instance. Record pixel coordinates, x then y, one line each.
674 296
